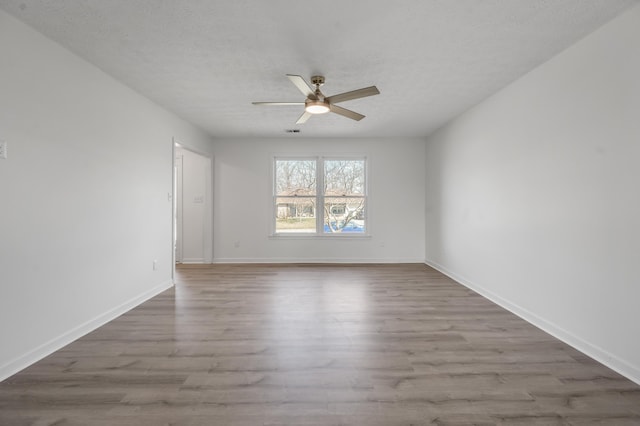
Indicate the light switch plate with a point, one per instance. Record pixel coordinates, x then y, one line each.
3 150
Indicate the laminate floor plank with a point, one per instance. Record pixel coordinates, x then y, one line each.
392 345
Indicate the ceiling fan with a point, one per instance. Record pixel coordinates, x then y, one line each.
318 103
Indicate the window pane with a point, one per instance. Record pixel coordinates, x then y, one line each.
295 214
344 214
295 177
344 177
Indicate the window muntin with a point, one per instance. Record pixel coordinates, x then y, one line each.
320 196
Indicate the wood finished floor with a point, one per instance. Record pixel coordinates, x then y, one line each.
378 345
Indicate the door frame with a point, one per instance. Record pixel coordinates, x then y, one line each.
209 219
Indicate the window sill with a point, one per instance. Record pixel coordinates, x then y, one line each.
304 236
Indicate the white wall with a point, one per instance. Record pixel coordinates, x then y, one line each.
83 195
533 196
243 203
194 207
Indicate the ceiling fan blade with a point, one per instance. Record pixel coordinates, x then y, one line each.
303 118
346 112
302 86
278 103
354 94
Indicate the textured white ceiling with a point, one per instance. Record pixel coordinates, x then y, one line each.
208 60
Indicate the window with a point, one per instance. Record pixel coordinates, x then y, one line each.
319 196
295 195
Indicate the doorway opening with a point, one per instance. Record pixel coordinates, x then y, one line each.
193 206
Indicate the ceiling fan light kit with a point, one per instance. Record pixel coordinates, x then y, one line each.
316 107
316 103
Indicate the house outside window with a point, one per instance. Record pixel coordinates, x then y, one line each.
319 196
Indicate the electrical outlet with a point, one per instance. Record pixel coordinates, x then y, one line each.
155 265
3 150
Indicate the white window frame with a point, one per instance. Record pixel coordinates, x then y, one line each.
319 197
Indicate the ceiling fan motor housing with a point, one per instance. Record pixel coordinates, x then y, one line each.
317 80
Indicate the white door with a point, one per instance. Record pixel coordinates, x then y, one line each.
194 195
178 209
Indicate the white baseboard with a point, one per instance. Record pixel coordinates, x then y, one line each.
621 366
23 361
193 261
313 260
